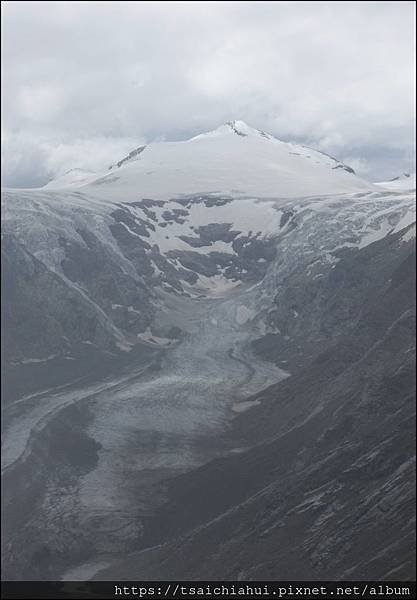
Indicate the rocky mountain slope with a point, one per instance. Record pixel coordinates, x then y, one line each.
227 309
324 483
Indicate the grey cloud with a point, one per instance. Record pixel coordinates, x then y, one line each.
84 82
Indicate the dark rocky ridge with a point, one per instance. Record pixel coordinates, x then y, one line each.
131 155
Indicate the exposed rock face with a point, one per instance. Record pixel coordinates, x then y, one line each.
313 312
57 331
132 155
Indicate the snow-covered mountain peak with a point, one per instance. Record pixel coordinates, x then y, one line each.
239 128
75 177
402 176
234 159
405 181
235 127
244 130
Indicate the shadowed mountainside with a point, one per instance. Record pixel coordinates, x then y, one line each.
327 490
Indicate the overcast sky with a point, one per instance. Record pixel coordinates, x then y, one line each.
85 82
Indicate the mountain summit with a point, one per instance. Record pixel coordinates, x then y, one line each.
233 159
